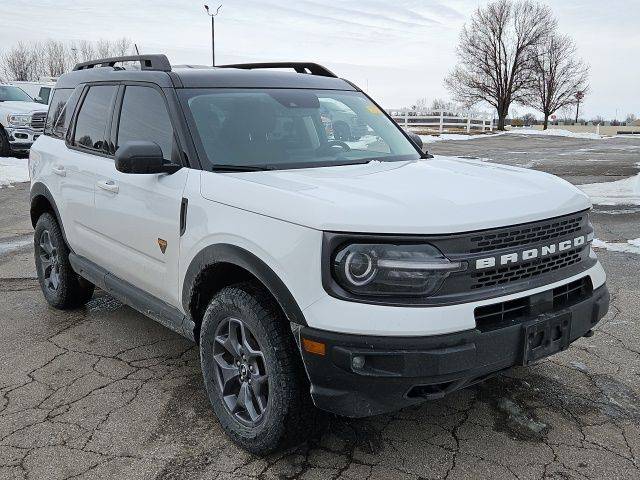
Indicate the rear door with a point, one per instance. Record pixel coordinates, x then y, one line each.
138 216
74 161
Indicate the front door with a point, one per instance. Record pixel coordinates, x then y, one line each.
138 216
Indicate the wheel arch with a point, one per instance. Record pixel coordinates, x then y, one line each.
41 201
220 265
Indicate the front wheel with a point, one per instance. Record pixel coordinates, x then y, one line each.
62 287
253 372
5 148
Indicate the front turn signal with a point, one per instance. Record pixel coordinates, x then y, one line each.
316 348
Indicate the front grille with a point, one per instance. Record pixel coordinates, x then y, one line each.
500 315
525 270
527 234
37 120
572 293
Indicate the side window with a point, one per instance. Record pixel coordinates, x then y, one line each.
144 117
61 125
56 109
92 118
44 94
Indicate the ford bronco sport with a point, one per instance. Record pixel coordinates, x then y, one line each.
358 275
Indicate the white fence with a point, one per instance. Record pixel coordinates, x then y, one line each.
442 121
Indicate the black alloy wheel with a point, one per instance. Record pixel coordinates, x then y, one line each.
241 372
49 261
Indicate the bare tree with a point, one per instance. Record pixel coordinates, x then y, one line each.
103 48
529 119
86 51
631 119
496 51
439 104
121 47
56 59
558 76
421 104
30 61
19 62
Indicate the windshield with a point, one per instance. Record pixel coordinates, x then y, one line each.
287 128
13 94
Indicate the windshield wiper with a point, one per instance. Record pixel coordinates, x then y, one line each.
220 167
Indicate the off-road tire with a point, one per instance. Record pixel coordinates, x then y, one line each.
289 416
71 290
5 148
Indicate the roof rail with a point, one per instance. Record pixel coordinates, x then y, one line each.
300 67
157 62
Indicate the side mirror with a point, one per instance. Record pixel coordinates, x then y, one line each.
142 158
415 138
39 100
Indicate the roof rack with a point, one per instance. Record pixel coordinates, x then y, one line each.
299 67
157 62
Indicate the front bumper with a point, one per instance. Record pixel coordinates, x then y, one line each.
21 138
401 371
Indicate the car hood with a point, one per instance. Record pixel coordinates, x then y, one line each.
22 107
437 196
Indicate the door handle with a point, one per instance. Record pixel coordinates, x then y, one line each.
108 185
59 170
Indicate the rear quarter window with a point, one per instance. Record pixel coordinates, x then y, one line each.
57 111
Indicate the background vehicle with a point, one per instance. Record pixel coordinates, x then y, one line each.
40 91
355 275
21 120
345 124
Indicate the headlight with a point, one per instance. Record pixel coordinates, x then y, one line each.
19 119
370 269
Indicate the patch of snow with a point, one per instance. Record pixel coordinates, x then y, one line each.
455 136
555 132
13 170
9 246
631 246
620 192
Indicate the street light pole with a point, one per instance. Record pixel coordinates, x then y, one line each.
213 37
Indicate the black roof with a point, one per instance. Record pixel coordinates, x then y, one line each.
156 69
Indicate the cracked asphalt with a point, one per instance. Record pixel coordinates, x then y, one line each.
104 392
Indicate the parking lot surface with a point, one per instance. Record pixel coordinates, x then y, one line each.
104 392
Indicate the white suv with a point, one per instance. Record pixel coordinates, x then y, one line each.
360 276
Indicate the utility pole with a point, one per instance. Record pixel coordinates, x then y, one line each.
579 96
213 37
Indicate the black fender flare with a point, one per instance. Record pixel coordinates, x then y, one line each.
227 253
39 189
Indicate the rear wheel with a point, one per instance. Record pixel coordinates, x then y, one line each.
253 371
62 287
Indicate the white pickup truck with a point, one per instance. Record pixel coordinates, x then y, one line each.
21 120
40 91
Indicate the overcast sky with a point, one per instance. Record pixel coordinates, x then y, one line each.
397 50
